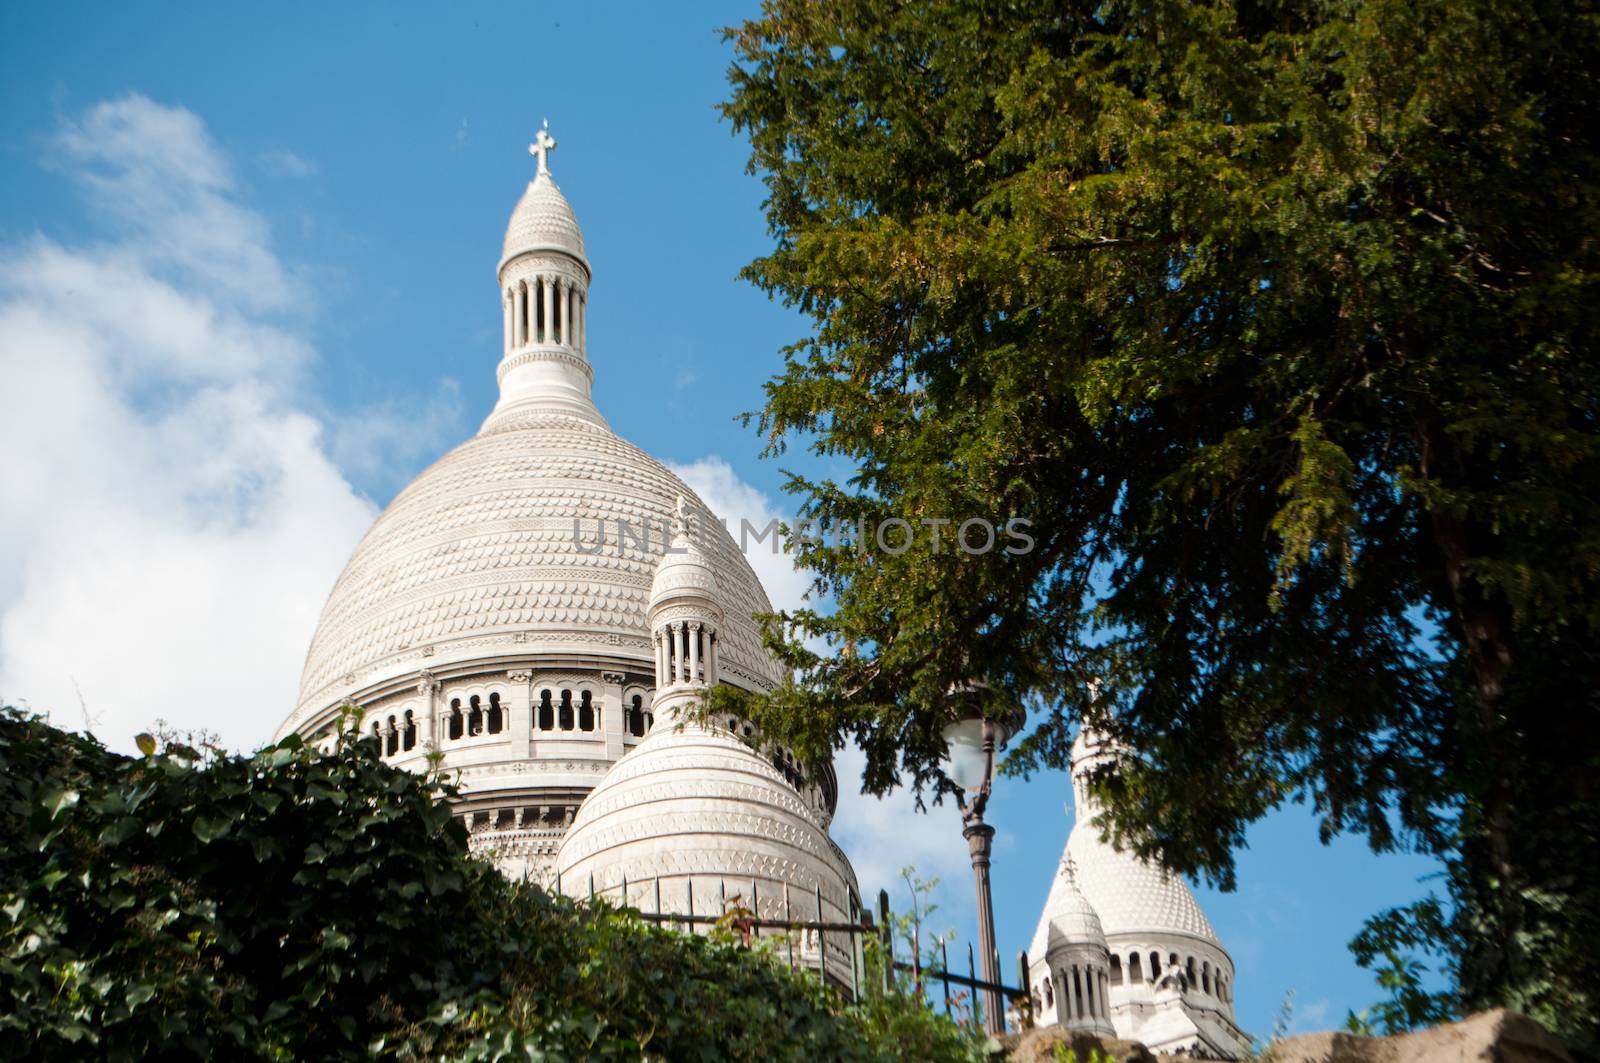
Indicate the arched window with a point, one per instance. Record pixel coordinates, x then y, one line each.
391 739
749 730
497 716
1192 979
547 712
636 716
585 711
474 716
1116 969
1155 965
1135 975
1088 990
566 710
377 737
1205 978
408 737
1049 992
457 722
733 725
1077 994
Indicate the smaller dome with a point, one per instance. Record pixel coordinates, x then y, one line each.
1068 918
684 571
694 816
543 221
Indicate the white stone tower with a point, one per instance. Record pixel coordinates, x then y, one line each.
1069 963
1169 980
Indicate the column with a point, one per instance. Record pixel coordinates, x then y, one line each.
583 322
678 636
694 655
509 300
428 687
518 711
547 332
565 302
661 659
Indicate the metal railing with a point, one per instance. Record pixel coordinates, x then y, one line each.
848 942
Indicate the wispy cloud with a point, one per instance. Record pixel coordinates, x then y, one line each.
286 163
175 510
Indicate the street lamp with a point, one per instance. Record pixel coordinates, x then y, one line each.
970 745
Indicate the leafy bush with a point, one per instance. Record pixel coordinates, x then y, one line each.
296 905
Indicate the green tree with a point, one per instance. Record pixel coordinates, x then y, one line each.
1277 321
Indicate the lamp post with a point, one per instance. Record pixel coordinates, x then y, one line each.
970 745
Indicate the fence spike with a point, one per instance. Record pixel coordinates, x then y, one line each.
977 997
822 940
624 891
690 887
591 887
658 894
1026 1007
886 939
944 964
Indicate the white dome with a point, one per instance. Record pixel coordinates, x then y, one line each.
697 805
1068 918
477 557
1133 896
543 221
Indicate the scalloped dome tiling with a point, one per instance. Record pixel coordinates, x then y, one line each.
1133 895
543 221
479 553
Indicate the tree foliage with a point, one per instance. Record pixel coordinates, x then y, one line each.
1277 320
294 905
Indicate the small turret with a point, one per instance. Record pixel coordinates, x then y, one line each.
684 619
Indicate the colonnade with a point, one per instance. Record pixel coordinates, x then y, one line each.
546 310
686 653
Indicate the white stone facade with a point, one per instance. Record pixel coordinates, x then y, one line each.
498 611
1168 982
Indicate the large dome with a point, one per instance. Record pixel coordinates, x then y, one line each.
479 552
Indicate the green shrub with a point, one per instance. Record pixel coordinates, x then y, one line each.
296 905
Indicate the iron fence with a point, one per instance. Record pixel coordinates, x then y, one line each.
824 942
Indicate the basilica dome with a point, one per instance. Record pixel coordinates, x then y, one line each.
543 531
496 619
479 554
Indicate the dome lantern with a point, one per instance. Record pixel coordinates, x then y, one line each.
544 296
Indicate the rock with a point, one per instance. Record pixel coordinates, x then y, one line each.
1498 1036
1038 1045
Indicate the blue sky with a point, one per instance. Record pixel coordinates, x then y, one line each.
247 291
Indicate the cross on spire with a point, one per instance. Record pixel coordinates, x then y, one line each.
543 144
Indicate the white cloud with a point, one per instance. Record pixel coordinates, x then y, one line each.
173 517
286 163
882 835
